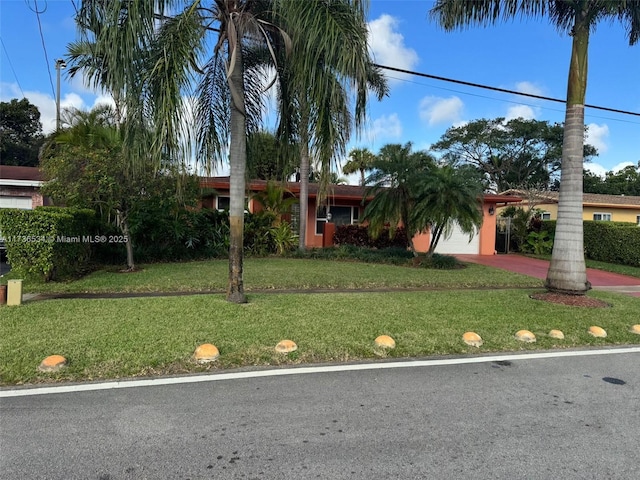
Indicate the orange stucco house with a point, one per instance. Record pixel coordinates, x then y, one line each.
346 208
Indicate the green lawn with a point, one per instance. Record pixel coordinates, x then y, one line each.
128 337
281 274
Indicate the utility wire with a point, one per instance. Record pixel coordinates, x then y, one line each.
44 46
496 89
590 115
11 66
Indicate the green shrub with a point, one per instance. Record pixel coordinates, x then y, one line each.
359 236
440 262
49 243
611 242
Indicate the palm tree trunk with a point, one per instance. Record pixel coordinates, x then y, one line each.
567 271
238 162
124 228
304 184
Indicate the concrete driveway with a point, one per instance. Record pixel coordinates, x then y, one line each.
537 268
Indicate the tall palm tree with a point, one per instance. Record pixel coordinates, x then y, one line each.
567 271
330 64
360 160
159 53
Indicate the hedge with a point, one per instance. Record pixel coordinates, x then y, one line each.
611 242
48 243
359 236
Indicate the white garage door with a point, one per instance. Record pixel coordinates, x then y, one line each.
459 242
23 203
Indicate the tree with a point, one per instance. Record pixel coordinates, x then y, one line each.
360 160
623 182
265 159
84 166
393 185
510 153
445 197
20 133
159 51
317 82
567 270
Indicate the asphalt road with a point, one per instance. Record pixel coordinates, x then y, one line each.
555 418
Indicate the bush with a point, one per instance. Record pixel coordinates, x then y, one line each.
612 242
49 243
439 262
359 236
393 255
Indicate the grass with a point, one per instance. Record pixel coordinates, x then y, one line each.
282 274
112 338
130 337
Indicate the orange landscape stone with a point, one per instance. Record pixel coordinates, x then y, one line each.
206 353
286 346
52 363
385 341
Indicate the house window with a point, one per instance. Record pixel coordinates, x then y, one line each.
546 215
295 217
339 216
602 217
223 203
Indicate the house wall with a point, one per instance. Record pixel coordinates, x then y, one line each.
617 214
36 197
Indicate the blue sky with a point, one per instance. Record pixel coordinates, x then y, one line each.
528 56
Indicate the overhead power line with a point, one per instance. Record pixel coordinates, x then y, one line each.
44 46
496 89
11 66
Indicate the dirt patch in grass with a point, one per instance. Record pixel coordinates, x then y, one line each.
570 300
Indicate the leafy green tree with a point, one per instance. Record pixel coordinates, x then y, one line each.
510 154
85 167
394 181
20 133
567 270
265 158
445 197
360 160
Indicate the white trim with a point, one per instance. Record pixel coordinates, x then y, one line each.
7 182
90 387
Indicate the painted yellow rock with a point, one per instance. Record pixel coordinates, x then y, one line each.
52 363
286 346
472 339
597 331
206 353
525 336
385 341
556 334
635 329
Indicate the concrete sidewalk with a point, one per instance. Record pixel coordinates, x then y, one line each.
533 267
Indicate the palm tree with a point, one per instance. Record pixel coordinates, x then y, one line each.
360 160
394 181
448 196
316 83
567 271
159 56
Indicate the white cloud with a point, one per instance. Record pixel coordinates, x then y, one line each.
597 136
387 46
386 126
601 171
435 110
520 111
528 87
